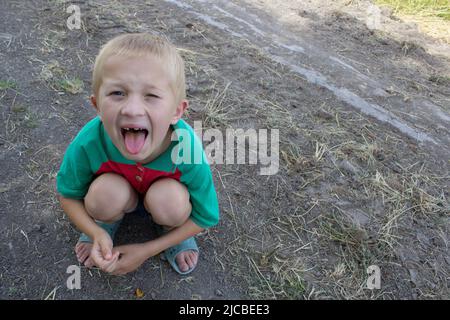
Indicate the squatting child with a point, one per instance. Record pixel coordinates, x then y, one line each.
124 158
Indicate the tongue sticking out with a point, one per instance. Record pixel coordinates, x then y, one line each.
134 141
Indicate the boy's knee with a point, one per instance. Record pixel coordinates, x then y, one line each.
167 200
109 195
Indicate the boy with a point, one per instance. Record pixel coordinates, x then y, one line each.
124 157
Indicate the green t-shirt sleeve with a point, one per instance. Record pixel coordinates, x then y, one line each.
200 184
75 174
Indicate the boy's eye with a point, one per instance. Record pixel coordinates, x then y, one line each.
117 93
151 95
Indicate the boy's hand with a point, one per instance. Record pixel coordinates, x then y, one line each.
131 257
101 252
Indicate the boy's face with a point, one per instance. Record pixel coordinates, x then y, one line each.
137 105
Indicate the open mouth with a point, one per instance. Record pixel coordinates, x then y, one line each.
134 139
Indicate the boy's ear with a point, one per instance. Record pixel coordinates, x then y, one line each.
94 102
95 105
179 111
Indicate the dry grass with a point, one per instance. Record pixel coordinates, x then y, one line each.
431 16
354 250
311 151
294 158
436 8
70 85
57 78
405 193
278 117
284 279
7 84
217 111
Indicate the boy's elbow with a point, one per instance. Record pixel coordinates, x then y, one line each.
214 221
61 198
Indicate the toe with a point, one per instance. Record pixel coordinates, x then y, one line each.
89 263
79 251
187 260
181 261
83 256
194 258
78 247
193 255
82 250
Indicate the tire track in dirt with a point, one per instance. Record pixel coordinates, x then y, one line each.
320 67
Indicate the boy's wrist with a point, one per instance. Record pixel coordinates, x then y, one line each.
96 231
149 249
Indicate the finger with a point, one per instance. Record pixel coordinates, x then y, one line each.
116 251
109 266
106 252
110 269
117 270
105 264
98 258
114 259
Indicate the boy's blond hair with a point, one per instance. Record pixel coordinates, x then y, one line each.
138 45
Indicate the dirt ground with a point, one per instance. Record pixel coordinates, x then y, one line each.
363 111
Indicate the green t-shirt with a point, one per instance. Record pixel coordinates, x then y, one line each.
92 153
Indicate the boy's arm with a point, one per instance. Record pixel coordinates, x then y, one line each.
136 254
102 246
78 215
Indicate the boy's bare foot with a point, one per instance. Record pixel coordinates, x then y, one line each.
186 260
83 251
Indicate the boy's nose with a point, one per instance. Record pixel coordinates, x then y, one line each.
133 107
